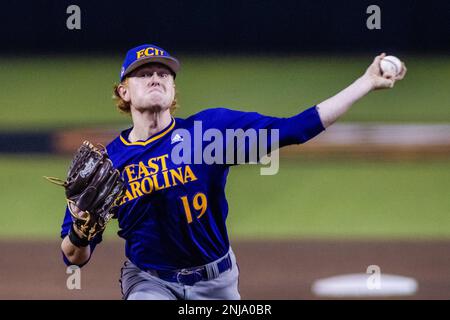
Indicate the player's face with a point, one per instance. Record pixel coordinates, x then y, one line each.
151 87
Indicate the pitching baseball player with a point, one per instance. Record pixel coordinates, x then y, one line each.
173 214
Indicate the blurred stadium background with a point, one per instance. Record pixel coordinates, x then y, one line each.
373 189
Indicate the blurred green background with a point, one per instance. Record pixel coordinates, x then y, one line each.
307 198
60 91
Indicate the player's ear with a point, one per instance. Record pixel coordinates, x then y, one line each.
122 90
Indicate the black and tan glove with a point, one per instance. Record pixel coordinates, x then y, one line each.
94 189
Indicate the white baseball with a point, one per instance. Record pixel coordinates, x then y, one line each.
391 65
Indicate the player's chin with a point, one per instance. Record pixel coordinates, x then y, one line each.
155 105
157 98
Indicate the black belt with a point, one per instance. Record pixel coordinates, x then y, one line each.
190 276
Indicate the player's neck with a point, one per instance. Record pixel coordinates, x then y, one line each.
147 124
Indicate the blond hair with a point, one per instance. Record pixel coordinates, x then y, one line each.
125 107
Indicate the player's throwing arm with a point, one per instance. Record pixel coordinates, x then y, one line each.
379 75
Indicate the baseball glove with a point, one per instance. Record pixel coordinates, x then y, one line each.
94 187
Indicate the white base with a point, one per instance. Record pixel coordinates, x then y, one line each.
362 285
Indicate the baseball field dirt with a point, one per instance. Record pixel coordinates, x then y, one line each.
269 269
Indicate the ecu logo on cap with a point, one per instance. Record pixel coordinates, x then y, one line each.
150 51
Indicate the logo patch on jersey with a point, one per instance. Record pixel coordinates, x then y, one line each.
176 138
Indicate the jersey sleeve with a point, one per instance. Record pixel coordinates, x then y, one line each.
293 130
287 131
67 222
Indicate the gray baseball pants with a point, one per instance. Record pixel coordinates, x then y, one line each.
137 284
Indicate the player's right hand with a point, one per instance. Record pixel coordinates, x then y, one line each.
377 80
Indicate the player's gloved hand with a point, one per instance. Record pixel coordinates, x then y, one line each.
375 77
93 191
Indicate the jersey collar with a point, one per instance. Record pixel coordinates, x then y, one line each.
166 130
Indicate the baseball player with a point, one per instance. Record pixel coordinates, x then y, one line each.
173 214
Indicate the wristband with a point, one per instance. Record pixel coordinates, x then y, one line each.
76 240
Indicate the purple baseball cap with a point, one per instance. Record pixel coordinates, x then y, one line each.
147 53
